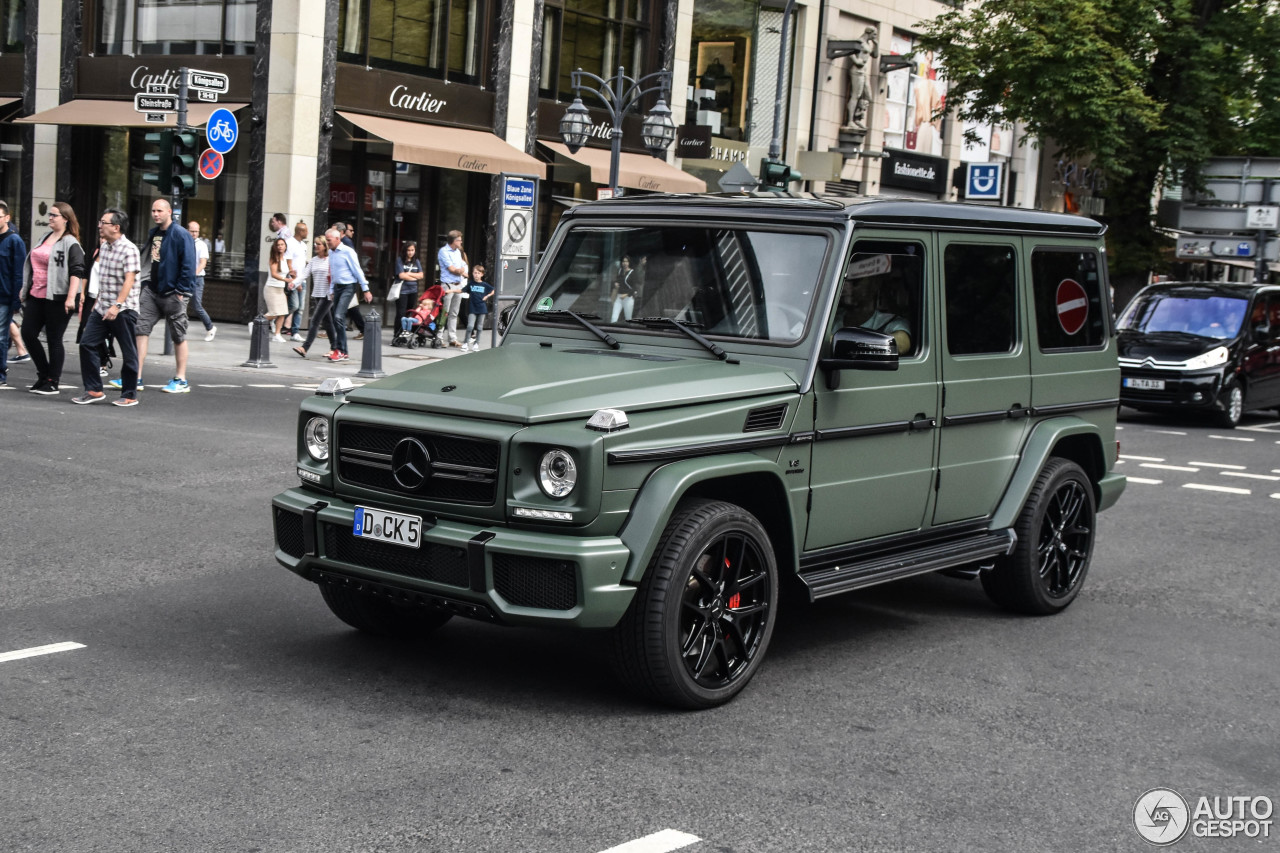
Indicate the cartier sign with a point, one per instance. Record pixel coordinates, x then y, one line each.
404 96
120 77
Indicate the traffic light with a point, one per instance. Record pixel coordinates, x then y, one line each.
775 175
182 163
160 160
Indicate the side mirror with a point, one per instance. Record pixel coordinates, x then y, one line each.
861 349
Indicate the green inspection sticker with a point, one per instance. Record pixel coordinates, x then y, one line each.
545 304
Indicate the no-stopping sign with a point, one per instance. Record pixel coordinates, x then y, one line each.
1073 306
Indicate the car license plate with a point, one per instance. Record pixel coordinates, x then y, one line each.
1144 384
386 526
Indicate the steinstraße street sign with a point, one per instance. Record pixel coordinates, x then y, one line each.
147 102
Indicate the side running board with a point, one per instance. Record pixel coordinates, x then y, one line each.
858 573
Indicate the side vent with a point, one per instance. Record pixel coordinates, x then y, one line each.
765 418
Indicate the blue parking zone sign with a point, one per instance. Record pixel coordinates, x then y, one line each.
983 181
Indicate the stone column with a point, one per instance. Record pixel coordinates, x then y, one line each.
48 84
293 116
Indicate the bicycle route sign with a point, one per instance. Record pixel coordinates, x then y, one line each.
222 131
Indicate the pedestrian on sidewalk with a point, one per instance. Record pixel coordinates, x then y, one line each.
197 294
13 255
321 298
279 282
479 292
297 294
116 311
453 279
408 274
345 276
166 294
51 280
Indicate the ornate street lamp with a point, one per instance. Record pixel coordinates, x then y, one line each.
620 94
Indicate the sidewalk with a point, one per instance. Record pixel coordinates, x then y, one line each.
229 350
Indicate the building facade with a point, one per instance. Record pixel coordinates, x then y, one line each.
400 115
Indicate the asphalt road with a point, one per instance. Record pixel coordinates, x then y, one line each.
217 705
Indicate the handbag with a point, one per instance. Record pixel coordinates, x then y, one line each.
393 292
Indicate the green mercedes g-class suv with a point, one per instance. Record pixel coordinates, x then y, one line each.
703 398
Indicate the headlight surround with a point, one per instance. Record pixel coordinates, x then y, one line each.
315 436
557 473
1212 358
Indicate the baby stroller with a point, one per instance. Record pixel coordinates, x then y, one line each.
426 332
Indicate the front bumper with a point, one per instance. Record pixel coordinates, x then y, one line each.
492 573
1181 391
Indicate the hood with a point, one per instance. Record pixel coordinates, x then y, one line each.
1166 346
527 383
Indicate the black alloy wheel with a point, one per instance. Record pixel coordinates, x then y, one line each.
1055 544
702 619
1232 403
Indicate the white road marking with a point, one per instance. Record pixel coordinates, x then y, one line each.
39 650
1229 490
1167 431
1143 458
1144 481
1276 496
1272 477
267 385
1219 465
1232 438
1261 427
658 842
206 385
1168 467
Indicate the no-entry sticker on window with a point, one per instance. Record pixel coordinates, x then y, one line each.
1073 306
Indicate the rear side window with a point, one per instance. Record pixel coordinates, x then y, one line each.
1070 313
982 299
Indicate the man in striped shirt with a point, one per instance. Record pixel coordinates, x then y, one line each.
115 311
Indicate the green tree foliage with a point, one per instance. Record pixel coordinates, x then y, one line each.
1142 88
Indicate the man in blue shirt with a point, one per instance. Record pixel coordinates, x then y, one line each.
453 279
13 256
344 275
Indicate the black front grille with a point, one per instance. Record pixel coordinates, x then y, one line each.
429 562
536 582
462 470
765 418
289 533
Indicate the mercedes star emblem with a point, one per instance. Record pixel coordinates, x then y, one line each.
410 464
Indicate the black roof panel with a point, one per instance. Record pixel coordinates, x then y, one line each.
896 212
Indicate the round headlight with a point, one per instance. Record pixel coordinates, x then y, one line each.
557 474
316 436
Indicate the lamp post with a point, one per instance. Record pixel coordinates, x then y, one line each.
620 94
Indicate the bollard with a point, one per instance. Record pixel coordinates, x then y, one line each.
259 343
168 339
371 347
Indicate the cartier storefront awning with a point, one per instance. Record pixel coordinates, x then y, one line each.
636 171
448 147
88 112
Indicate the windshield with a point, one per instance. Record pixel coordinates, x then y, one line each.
1206 316
746 284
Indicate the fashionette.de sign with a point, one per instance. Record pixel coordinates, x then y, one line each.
914 171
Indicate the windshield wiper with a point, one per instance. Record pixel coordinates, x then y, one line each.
581 318
668 321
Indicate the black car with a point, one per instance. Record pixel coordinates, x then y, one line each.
1205 346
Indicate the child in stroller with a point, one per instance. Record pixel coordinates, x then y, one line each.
419 325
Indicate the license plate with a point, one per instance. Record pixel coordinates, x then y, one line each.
392 527
1145 384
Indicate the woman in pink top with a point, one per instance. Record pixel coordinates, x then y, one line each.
51 294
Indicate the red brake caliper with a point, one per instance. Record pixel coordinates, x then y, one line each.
736 598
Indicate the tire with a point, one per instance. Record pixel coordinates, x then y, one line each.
380 616
1056 531
702 618
1232 402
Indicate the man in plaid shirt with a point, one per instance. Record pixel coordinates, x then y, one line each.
116 310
